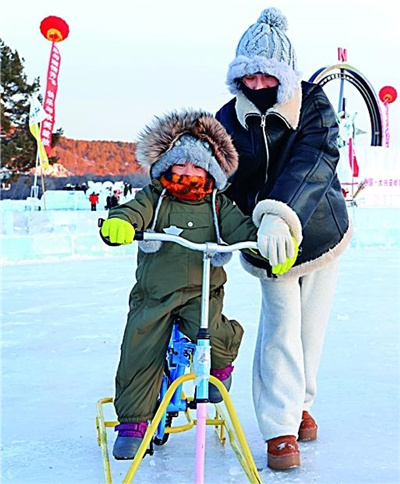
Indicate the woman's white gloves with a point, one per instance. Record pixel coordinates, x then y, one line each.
276 243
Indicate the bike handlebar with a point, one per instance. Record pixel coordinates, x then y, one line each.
201 247
208 247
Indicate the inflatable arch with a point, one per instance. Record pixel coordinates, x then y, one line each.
347 73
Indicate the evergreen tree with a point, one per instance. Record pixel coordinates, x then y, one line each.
18 146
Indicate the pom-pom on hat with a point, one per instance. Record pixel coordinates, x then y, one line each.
264 48
188 135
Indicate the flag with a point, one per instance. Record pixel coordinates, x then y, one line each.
36 115
49 103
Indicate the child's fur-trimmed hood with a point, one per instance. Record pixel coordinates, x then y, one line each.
188 135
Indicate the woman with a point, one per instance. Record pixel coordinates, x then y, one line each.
285 132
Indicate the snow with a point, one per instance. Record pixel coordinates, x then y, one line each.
63 316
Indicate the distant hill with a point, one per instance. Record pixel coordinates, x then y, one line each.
101 158
80 161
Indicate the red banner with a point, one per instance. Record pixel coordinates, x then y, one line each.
47 126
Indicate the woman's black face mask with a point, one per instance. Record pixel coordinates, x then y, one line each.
263 99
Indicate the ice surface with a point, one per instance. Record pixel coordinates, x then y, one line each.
61 332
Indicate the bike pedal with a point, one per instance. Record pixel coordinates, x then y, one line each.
150 450
192 404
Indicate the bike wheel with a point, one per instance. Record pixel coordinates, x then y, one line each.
161 441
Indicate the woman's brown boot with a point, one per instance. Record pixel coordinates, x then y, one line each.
308 428
283 453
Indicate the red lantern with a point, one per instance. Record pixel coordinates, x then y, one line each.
388 94
54 29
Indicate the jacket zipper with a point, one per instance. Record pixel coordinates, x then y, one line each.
263 119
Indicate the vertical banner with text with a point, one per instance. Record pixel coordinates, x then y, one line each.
50 97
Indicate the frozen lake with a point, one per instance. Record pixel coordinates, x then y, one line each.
62 327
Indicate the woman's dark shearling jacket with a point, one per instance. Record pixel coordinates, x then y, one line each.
290 155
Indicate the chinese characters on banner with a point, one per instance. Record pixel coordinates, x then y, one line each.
50 97
382 182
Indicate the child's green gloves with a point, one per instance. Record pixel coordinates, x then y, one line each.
280 269
118 231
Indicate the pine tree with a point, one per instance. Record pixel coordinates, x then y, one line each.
18 146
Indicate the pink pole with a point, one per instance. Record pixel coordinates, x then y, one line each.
201 415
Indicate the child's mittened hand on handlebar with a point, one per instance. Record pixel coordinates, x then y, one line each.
118 231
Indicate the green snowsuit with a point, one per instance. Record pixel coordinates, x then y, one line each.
169 284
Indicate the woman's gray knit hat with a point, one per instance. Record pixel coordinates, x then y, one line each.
264 48
188 135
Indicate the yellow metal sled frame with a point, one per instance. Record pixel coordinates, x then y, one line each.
221 422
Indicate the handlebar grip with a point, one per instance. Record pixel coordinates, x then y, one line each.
139 235
106 240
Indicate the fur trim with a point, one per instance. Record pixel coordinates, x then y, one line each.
150 246
289 79
280 209
158 138
219 259
307 267
289 111
198 152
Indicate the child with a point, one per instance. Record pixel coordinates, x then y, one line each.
190 157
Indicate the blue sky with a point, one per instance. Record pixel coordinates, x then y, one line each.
126 61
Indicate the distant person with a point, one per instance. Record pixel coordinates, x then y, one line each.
112 200
190 157
127 189
94 200
285 132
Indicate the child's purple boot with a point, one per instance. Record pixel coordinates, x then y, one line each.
225 376
129 439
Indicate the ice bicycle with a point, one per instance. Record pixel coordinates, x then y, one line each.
185 362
